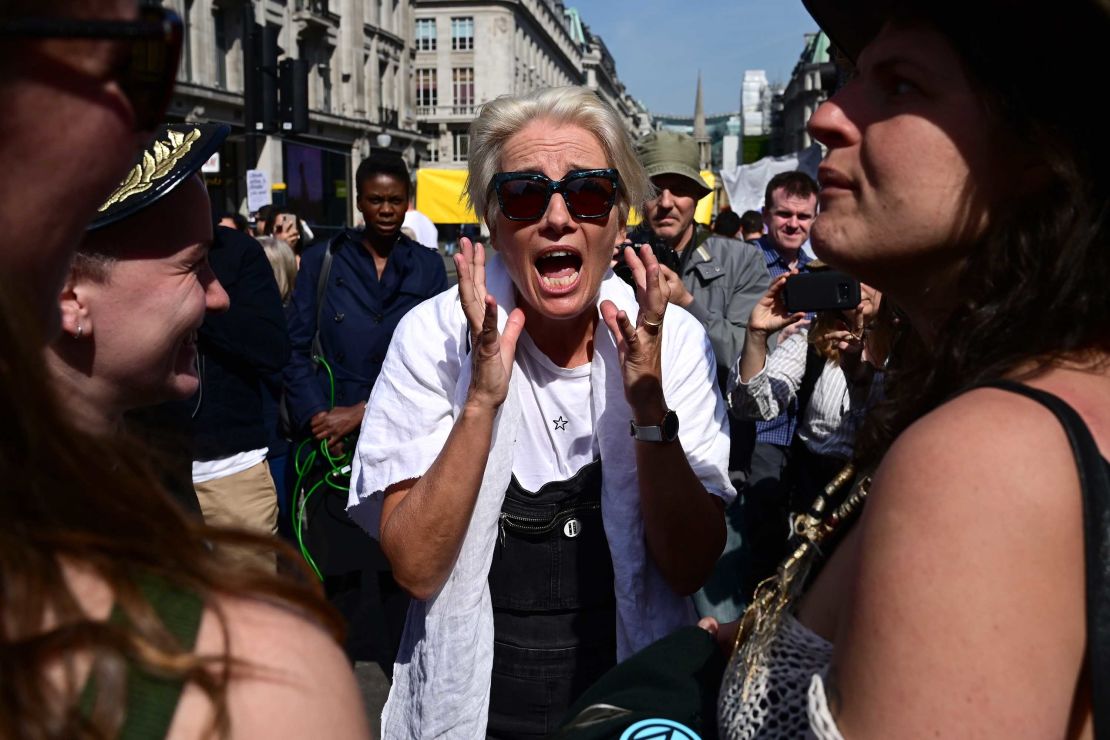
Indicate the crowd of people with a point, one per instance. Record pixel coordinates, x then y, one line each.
240 458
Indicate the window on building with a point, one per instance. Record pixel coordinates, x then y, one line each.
462 146
425 34
462 88
462 34
433 151
427 95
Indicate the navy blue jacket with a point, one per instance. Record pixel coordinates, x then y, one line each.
237 350
358 319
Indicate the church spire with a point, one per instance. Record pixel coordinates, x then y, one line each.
701 135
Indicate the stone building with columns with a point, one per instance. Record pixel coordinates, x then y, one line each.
470 51
359 55
403 75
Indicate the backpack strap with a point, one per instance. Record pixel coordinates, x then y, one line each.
1094 483
321 288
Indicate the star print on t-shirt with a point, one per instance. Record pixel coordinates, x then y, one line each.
560 423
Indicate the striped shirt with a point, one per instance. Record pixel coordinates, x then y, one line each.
779 429
836 408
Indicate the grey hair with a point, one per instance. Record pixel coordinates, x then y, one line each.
503 117
282 261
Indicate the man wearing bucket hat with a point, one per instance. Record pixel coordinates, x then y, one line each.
718 280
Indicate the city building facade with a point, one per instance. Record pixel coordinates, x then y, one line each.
402 75
359 97
814 78
468 52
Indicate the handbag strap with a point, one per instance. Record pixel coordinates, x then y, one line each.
317 348
1095 486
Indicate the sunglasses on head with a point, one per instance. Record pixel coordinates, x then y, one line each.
154 42
524 196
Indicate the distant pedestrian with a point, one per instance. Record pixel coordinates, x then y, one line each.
727 224
751 226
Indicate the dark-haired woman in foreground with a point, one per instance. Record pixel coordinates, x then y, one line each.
954 607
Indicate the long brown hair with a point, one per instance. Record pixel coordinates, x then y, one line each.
1034 290
69 498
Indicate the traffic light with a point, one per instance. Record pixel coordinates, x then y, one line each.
293 81
265 82
260 74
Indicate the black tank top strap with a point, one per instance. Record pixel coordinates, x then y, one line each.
1094 482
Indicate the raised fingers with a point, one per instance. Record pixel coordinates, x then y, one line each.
653 299
622 329
639 274
470 266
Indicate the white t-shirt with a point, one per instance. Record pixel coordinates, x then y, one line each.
556 436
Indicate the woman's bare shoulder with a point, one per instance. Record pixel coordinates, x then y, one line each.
971 560
297 682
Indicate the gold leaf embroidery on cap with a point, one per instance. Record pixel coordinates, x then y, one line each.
156 164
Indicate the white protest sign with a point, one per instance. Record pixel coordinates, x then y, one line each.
258 190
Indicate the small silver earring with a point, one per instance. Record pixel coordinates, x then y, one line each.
80 331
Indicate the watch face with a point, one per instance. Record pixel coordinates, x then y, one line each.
670 426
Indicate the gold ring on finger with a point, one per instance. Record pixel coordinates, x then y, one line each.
653 324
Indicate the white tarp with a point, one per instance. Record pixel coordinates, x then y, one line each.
745 184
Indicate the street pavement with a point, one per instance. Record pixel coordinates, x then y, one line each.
374 687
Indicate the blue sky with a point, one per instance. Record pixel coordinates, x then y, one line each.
659 46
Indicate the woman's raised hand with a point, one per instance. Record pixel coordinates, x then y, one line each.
639 347
492 351
769 314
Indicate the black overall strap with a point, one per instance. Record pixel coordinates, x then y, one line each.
1095 485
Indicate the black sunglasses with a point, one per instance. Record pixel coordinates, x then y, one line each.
524 196
155 49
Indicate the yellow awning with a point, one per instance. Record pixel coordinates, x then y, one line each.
440 196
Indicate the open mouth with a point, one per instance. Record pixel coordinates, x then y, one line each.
558 268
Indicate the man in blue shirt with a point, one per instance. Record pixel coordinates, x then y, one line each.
790 206
349 296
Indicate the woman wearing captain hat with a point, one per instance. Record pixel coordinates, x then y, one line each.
158 636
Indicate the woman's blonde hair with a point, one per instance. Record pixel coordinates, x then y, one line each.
503 117
282 261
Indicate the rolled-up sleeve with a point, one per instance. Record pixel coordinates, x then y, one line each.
772 389
690 387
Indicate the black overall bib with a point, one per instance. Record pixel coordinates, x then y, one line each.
554 611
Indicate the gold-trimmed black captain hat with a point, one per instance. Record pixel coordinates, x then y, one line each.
179 150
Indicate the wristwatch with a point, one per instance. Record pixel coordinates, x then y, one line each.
666 431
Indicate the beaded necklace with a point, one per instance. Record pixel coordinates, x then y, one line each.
776 595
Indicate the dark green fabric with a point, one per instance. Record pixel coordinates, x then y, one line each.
151 699
676 678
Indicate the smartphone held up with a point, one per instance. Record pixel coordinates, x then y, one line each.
827 290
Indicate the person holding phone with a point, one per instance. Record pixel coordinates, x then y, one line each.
285 225
831 370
